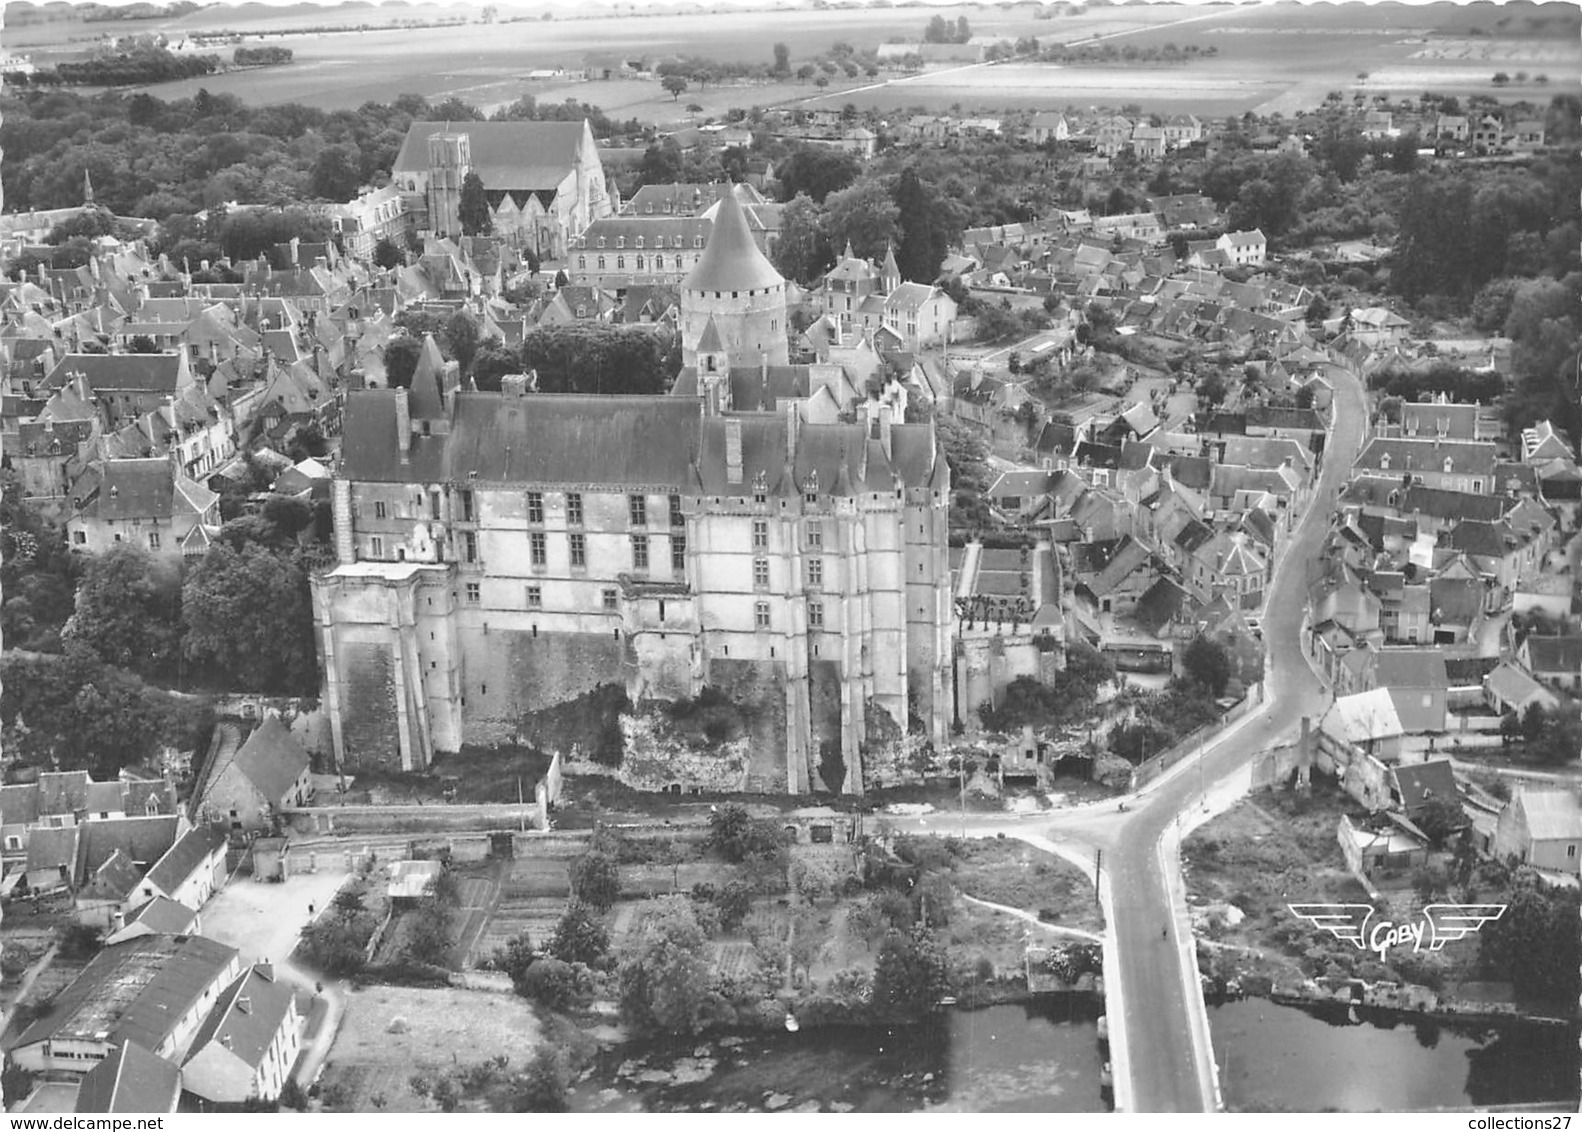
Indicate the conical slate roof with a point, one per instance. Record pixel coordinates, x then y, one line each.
710 342
732 261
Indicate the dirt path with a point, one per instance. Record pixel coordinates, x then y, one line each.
1058 929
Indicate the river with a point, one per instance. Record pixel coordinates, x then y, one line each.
1306 1059
1040 1056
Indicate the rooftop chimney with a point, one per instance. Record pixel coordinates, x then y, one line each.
793 429
733 450
403 425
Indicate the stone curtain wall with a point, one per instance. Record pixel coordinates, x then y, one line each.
368 705
511 673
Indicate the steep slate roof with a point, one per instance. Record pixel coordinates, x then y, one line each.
272 759
142 839
1467 457
134 991
532 156
115 879
130 1079
19 804
542 438
731 260
162 915
246 1017
62 791
110 372
1411 668
1554 654
184 857
1418 782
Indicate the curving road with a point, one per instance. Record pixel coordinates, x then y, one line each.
1167 1059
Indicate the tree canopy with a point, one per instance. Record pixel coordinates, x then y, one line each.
249 619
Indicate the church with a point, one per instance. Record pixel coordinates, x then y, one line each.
543 180
765 530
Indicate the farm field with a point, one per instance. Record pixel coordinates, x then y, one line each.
1277 57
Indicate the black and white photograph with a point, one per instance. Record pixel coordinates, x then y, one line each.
813 557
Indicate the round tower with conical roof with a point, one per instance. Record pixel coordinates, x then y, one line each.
736 286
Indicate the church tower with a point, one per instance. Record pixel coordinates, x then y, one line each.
449 162
736 288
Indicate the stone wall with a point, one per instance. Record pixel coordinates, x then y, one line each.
824 695
511 673
368 705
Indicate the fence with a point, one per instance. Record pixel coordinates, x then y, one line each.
1150 769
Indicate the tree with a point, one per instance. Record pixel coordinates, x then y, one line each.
515 958
803 252
782 65
1208 664
473 208
596 358
665 978
545 1085
429 930
337 173
929 223
551 983
386 254
816 171
863 216
1534 944
1440 818
249 620
129 611
663 163
579 936
595 879
910 974
676 85
401 356
462 330
492 362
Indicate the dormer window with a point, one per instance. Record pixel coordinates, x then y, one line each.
697 241
620 241
1384 461
1448 463
601 241
639 241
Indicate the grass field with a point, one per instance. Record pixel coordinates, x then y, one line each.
439 1028
1272 57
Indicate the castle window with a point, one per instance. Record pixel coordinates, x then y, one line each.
612 600
637 506
639 242
678 553
574 508
760 534
815 535
640 552
378 547
601 241
153 540
815 615
466 506
639 264
579 550
620 241
761 573
473 592
697 241
620 263
601 263
582 263
535 597
761 615
379 509
538 547
535 507
677 519
470 547
659 263
815 571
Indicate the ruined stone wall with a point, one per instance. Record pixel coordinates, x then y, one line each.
757 687
657 757
510 673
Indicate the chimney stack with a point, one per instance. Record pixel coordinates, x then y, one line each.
733 450
793 429
403 425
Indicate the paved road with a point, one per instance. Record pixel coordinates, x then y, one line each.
1165 1031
